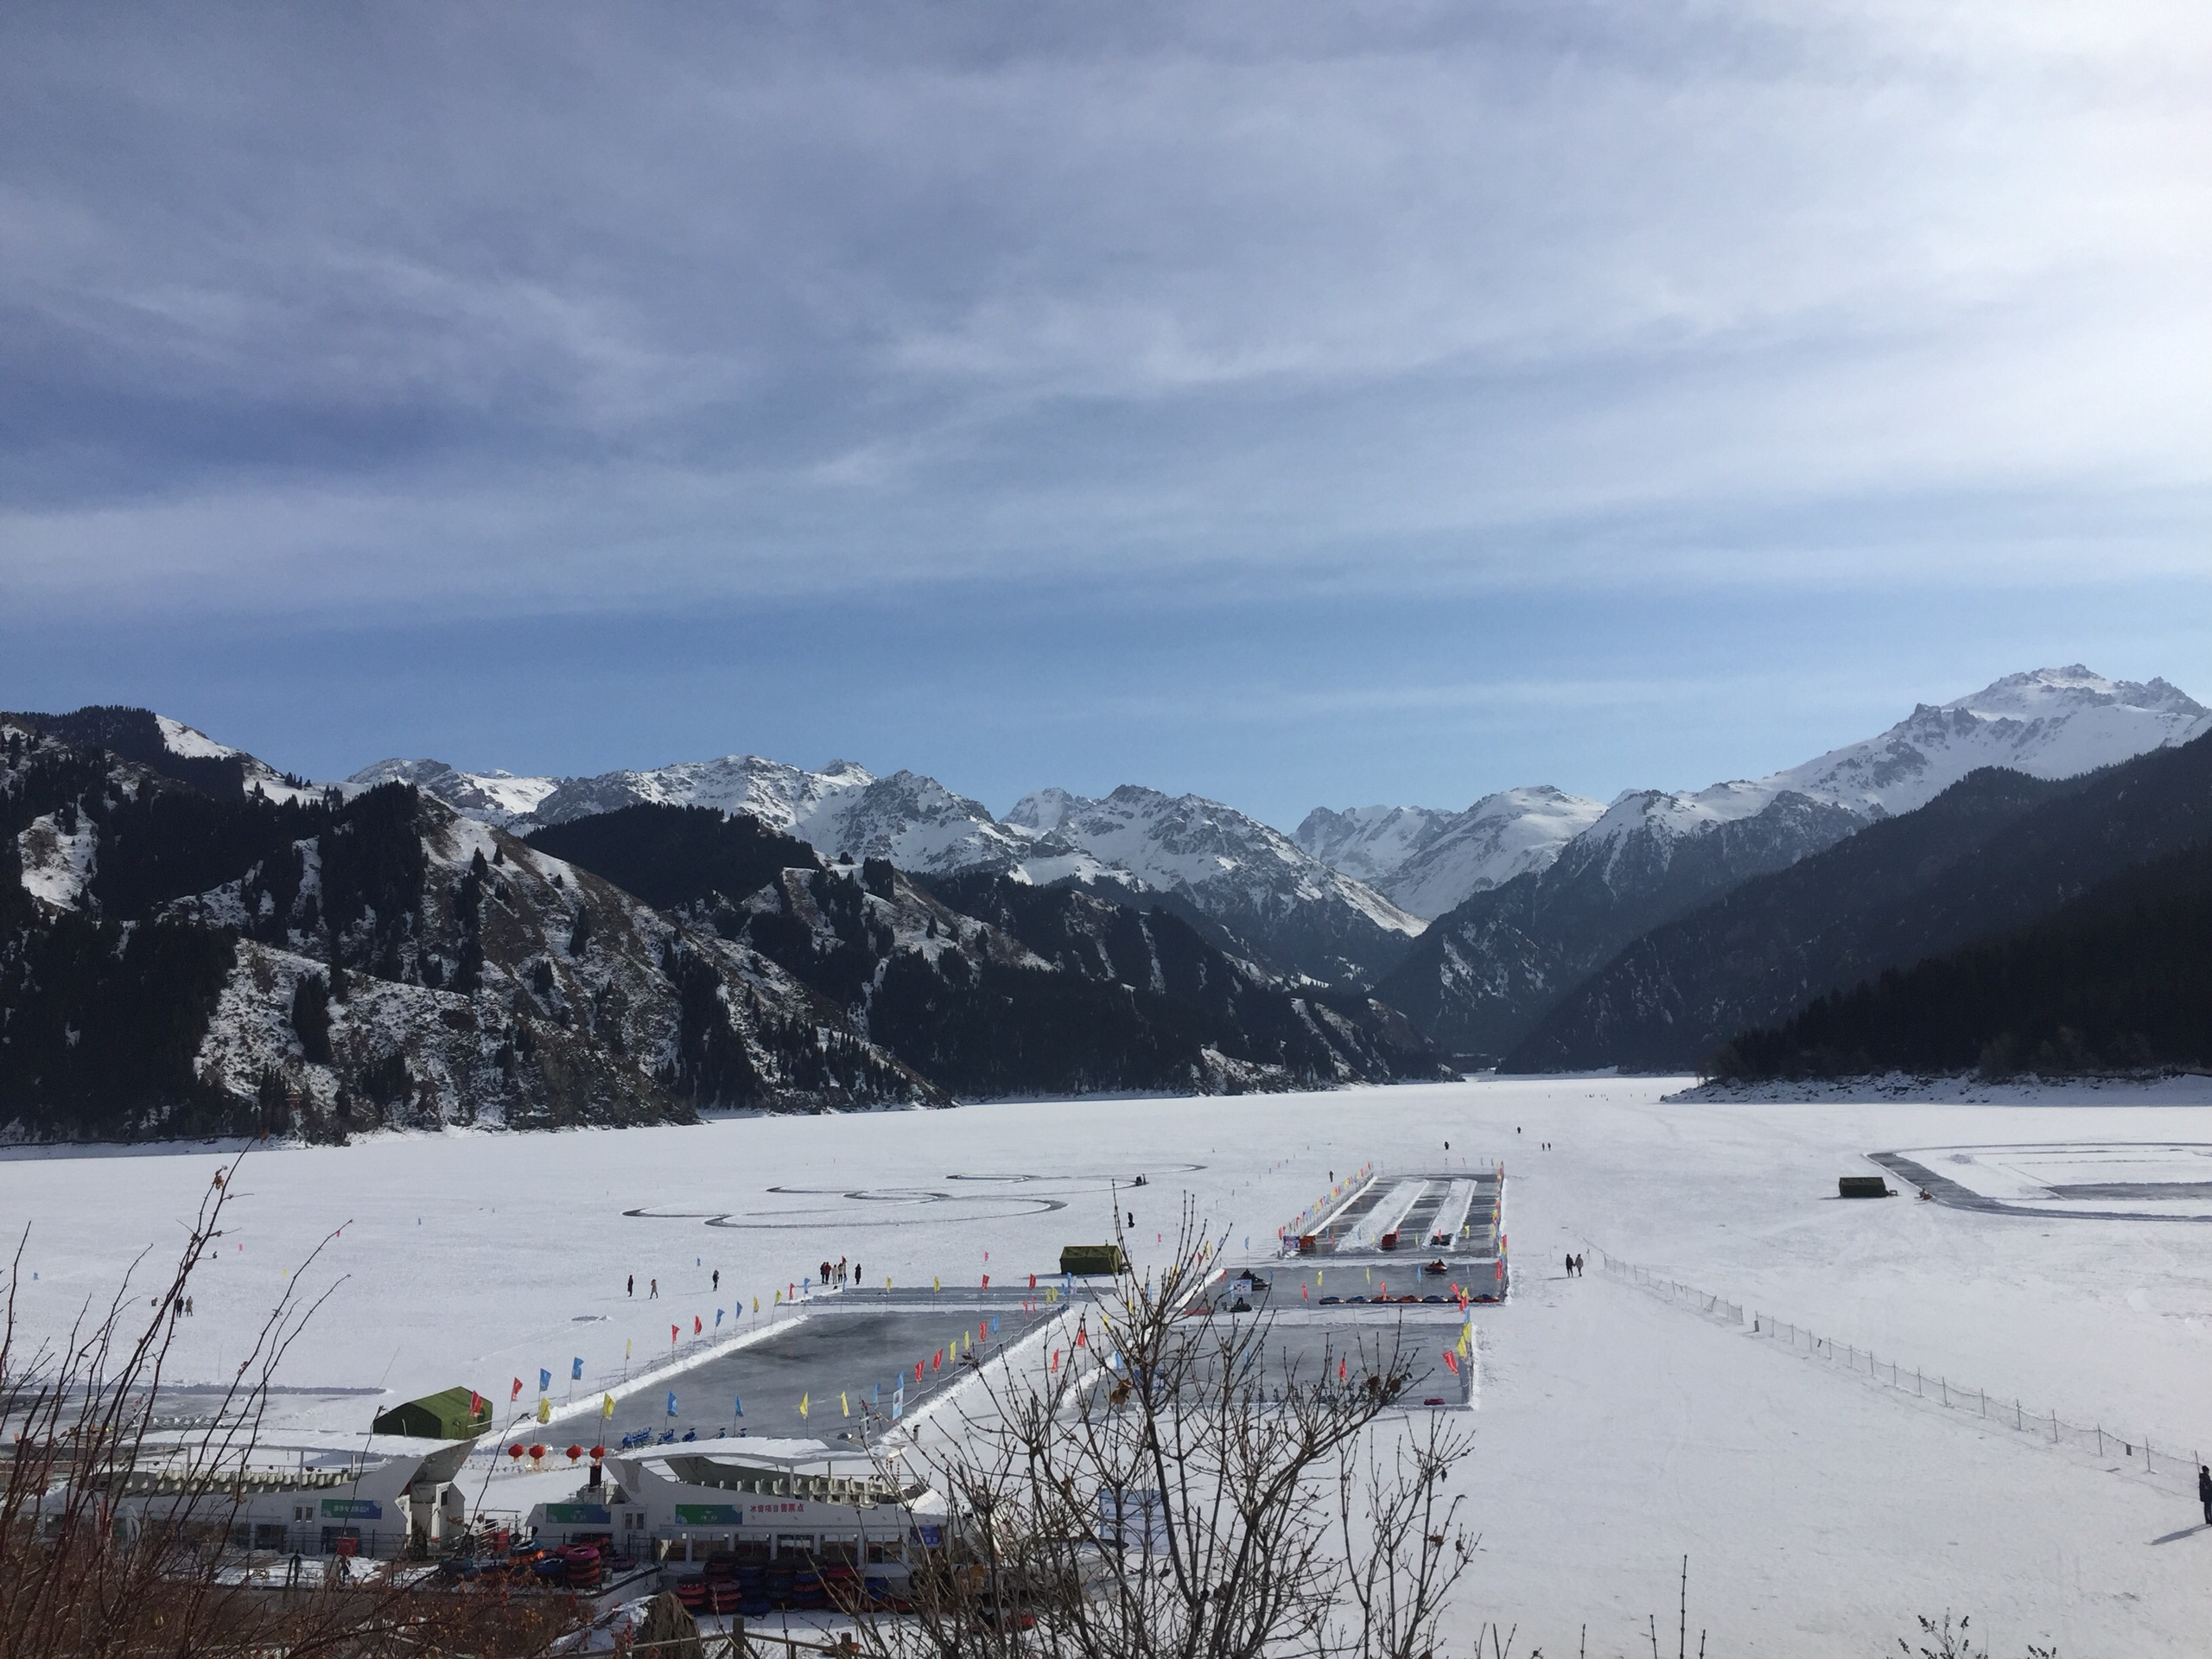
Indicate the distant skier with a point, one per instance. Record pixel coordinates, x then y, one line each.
2204 1492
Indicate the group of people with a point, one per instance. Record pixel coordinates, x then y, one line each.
1574 1267
838 1273
652 1291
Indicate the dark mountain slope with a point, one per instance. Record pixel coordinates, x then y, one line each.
989 986
175 962
2119 979
1486 972
1993 853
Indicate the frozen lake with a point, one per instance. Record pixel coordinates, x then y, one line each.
1616 1432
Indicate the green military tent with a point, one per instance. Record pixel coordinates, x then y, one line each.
445 1415
1085 1260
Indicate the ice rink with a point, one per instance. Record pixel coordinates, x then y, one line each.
1616 1432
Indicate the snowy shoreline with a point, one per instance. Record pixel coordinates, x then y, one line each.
1961 1089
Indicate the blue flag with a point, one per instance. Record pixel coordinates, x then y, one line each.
738 1401
718 1319
994 1325
544 1379
898 1399
577 1369
671 1402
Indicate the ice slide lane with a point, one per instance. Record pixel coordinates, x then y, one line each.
1385 1216
1459 1198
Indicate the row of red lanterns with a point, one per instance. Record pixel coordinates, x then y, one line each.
519 1449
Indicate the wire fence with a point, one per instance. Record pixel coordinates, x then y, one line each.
2167 1460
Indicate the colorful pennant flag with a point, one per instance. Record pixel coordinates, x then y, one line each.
577 1369
802 1405
606 1405
671 1402
544 1379
515 1393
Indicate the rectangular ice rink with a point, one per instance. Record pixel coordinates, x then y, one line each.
1615 1432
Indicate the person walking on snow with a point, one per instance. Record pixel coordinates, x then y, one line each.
653 1290
2204 1492
630 1287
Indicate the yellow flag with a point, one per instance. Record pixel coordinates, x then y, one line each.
756 1304
1466 1334
802 1405
545 1409
625 1348
937 1284
842 1405
606 1405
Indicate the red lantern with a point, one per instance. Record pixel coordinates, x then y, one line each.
514 1451
536 1452
597 1453
574 1451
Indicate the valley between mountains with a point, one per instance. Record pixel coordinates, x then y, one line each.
194 942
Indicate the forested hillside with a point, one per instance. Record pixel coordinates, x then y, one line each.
2119 979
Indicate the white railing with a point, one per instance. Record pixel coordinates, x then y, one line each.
2167 1459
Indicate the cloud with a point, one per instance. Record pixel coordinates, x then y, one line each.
525 308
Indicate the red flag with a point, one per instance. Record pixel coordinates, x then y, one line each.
1341 1371
987 1282
1056 1359
1082 1337
1452 1362
674 1331
917 1370
515 1393
696 1326
475 1402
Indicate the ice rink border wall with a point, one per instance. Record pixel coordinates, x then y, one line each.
2147 1455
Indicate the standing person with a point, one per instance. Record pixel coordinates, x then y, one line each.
653 1290
718 1281
630 1288
2204 1492
1570 1267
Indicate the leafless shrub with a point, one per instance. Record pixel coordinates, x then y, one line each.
1170 1490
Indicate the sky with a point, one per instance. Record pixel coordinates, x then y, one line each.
1296 404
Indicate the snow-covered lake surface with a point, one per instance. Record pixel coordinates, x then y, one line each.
1616 1432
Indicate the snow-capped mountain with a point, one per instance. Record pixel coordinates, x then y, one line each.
1487 970
2050 722
1289 908
172 749
1425 860
1261 894
841 811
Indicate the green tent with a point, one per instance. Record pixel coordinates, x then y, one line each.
442 1416
1087 1259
